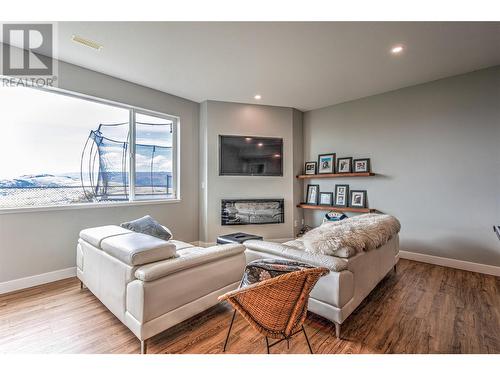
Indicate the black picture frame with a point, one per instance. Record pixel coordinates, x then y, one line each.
309 188
368 166
336 196
330 198
362 204
339 160
314 169
333 160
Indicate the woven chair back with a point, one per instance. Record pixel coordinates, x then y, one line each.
276 307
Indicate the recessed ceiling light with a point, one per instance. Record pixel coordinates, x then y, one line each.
277 155
257 97
86 42
260 144
396 50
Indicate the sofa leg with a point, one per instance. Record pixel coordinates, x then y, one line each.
337 330
144 347
395 270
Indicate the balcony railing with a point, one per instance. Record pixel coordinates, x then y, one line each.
16 197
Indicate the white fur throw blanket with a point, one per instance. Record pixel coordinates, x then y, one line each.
345 238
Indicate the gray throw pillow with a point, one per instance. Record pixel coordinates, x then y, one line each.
148 225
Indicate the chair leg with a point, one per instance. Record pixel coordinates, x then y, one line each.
229 331
144 346
82 285
337 330
307 340
267 344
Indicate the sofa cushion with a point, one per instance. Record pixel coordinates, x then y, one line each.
297 243
148 225
187 258
136 248
318 260
179 245
95 236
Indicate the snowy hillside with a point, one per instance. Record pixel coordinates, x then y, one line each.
41 180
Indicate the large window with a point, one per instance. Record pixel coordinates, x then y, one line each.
59 149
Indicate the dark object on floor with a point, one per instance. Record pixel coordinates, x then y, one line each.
273 298
496 229
237 238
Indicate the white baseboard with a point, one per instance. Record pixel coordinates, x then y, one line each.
452 263
44 278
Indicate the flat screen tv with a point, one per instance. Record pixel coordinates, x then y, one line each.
250 156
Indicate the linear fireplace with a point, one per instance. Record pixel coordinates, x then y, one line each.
252 211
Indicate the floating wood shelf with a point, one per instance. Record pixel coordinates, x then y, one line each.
336 209
333 175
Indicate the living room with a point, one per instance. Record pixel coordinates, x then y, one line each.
253 187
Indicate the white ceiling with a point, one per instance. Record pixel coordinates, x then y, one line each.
302 65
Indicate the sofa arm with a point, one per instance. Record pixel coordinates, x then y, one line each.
190 257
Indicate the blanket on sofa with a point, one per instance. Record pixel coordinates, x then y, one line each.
295 253
347 237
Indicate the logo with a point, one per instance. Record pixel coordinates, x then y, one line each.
28 53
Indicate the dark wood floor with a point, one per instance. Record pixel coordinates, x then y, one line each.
420 309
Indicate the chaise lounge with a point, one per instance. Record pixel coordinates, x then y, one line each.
353 274
150 284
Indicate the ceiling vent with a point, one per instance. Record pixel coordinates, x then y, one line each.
86 42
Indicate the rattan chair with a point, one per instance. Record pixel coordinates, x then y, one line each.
276 307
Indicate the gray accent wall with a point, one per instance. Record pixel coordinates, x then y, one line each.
222 118
33 243
436 150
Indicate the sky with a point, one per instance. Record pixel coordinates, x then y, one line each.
44 132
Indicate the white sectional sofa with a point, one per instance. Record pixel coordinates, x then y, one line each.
350 280
151 284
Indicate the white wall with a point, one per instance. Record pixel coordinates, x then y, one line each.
221 118
39 242
436 149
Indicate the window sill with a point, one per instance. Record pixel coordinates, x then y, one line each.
83 206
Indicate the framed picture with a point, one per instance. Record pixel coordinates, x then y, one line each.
325 199
311 167
341 195
326 163
312 194
358 199
344 165
362 165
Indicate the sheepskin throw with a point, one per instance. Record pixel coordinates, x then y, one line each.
345 238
